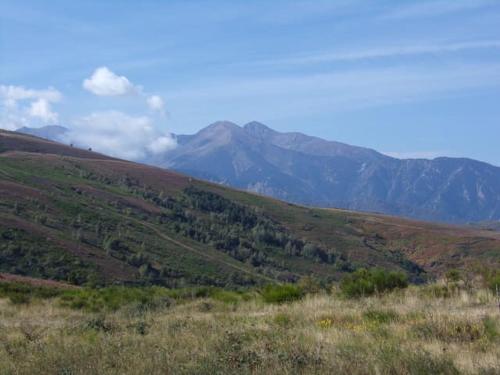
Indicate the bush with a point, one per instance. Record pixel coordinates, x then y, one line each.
226 296
19 293
282 320
18 299
309 285
453 276
438 291
494 283
98 323
365 282
281 293
490 328
116 297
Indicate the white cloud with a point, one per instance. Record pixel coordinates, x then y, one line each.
118 134
161 145
156 103
10 120
104 82
41 109
16 93
27 107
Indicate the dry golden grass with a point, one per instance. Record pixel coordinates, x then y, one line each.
406 332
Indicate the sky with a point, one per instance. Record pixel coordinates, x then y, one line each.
416 79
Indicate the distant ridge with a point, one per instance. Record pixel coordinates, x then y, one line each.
51 132
313 171
309 170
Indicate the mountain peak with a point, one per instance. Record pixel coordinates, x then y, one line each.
222 125
52 132
46 127
258 129
220 132
256 125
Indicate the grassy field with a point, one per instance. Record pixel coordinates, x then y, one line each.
431 329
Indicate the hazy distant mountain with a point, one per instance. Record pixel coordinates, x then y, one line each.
52 132
309 170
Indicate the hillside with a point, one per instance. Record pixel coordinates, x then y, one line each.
310 170
74 215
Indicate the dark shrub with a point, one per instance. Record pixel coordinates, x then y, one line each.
365 282
18 299
116 297
281 293
494 283
453 276
309 285
19 293
98 323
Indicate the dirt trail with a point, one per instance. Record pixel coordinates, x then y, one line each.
198 252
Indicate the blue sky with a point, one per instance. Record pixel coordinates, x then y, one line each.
409 78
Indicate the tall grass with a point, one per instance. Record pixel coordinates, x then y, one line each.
366 282
209 331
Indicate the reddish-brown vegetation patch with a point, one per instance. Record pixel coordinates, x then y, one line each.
156 178
111 268
10 278
126 201
17 191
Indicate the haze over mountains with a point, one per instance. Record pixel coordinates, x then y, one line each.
313 171
52 132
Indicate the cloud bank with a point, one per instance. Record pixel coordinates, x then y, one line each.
110 132
118 134
20 106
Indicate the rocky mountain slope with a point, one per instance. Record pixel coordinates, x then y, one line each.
309 170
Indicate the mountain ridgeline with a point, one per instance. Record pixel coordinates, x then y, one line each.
78 216
312 171
308 170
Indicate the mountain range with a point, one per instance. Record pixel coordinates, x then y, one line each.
74 215
312 171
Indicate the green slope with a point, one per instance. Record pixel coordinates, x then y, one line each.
78 216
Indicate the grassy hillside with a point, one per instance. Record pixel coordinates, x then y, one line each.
432 329
77 216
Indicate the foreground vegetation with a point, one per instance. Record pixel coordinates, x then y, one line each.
433 329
